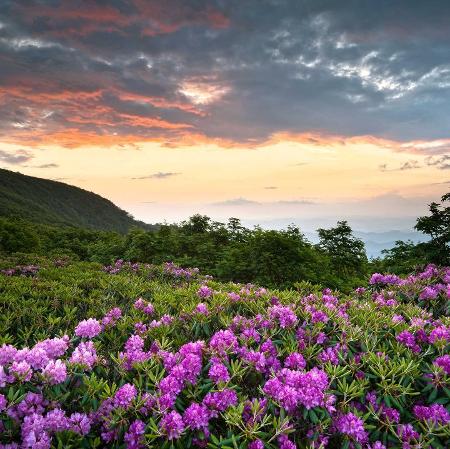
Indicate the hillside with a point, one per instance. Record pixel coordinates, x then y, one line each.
51 202
142 356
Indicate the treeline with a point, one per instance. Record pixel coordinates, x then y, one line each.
232 252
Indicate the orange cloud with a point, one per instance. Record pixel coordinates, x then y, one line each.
436 146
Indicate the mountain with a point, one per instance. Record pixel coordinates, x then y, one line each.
52 202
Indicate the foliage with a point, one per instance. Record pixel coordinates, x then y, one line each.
405 256
172 358
437 226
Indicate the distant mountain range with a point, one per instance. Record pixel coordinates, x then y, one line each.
52 202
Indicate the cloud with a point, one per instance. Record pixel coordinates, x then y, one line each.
15 158
159 175
50 165
408 165
295 202
182 71
441 183
246 202
440 162
236 202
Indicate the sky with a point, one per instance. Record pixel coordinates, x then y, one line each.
274 111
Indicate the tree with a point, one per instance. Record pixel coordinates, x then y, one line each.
403 258
347 252
437 226
197 224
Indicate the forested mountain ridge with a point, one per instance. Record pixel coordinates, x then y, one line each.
52 202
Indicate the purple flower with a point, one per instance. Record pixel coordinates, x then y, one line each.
330 354
80 423
196 416
55 372
124 396
139 304
430 292
56 420
378 278
134 352
219 401
171 385
204 292
318 316
391 414
408 339
406 432
218 373
54 347
7 354
149 309
439 333
444 363
172 425
3 403
284 315
21 370
32 403
201 308
321 338
293 388
111 317
37 358
377 445
234 297
223 341
33 431
436 413
134 435
84 355
88 328
140 328
257 444
352 426
285 443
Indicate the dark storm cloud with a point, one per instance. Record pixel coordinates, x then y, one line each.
118 72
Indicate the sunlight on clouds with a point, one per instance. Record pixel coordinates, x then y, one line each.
203 92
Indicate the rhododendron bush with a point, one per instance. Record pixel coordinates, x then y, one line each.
134 356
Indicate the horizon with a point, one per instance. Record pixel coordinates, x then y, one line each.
275 113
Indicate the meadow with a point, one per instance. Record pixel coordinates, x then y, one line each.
137 355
